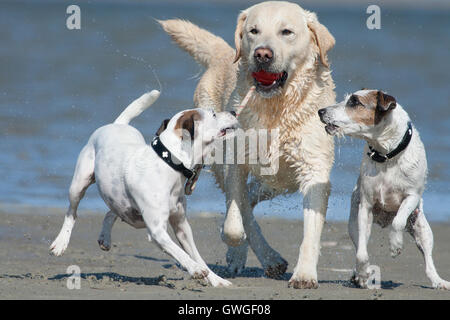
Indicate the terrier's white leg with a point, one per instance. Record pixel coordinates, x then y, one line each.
399 223
156 216
83 177
359 227
104 239
421 232
362 256
183 232
353 219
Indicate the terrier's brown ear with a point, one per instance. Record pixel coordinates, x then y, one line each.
322 37
162 127
187 123
385 102
238 34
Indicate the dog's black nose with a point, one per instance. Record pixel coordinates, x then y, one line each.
233 113
263 55
322 112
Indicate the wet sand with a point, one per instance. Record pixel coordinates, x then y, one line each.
137 269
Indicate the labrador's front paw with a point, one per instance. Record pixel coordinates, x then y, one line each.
302 280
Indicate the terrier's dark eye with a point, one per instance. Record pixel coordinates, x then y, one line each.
353 101
254 31
214 115
286 32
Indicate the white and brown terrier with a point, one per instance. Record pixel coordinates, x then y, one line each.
143 184
392 176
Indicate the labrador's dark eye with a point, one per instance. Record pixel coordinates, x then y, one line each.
214 115
254 31
286 32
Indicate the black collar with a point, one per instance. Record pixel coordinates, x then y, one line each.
177 165
170 159
378 157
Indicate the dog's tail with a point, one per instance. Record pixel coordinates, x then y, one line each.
137 107
212 52
202 45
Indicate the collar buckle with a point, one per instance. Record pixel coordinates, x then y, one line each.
192 181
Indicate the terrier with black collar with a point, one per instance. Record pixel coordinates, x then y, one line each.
392 176
144 184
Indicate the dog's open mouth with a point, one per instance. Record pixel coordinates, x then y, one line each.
227 131
267 81
331 129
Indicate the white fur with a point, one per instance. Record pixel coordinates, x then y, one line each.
390 192
139 187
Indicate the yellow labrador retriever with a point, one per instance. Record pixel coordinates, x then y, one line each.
281 49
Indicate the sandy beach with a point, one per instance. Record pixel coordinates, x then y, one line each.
137 269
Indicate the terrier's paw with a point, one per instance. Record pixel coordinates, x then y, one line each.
104 245
442 285
58 247
395 252
359 281
217 281
396 243
200 273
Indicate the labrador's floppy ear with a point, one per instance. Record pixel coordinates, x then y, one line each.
186 123
238 34
162 127
322 37
385 102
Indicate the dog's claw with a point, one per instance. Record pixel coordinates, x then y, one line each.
200 274
395 252
303 284
217 281
276 271
444 285
58 247
103 245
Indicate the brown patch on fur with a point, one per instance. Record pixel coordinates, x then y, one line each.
362 114
187 122
373 108
162 127
385 101
369 99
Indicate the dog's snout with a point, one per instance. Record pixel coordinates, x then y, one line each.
233 113
263 54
